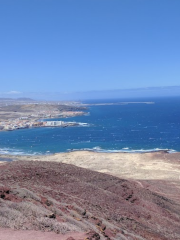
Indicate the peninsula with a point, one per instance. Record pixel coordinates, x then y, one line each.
19 114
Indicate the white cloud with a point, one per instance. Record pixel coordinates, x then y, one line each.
13 92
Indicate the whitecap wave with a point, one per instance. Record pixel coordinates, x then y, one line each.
84 124
8 151
124 150
12 151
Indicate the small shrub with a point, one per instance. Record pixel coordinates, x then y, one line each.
25 193
11 218
81 225
80 210
46 224
29 209
57 211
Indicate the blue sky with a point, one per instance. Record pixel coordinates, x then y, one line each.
82 45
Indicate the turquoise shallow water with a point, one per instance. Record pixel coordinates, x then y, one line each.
130 127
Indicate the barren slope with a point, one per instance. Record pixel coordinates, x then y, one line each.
63 198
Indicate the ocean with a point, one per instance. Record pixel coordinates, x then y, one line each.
132 127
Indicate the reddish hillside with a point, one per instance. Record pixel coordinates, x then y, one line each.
64 198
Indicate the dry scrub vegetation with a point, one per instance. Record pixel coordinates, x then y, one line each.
25 211
63 198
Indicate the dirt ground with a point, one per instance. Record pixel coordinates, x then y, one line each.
158 172
9 234
145 166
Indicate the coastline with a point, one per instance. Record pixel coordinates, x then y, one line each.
17 115
23 116
150 165
30 123
118 103
126 163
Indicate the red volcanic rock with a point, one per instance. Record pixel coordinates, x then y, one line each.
63 198
93 236
4 191
109 233
5 194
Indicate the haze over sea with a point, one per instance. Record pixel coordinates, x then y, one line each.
133 127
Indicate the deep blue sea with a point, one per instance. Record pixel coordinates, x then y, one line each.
129 128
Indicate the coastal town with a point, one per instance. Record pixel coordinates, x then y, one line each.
19 115
22 124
